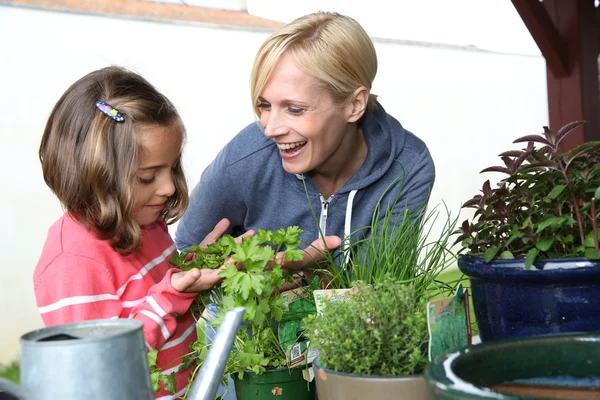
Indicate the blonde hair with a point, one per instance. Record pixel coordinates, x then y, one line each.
90 161
332 48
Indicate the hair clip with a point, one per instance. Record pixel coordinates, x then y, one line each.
110 111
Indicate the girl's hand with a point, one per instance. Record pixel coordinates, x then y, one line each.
197 280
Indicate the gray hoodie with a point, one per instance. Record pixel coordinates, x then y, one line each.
247 184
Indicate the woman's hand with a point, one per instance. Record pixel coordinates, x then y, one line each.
198 280
317 251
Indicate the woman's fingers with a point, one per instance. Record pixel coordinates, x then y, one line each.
314 253
218 231
238 239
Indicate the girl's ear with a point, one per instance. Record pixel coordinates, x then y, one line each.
358 104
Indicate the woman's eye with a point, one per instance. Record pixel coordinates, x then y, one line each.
296 110
263 105
145 181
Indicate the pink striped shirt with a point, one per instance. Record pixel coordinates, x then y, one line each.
80 277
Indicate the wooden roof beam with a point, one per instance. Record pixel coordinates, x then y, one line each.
545 34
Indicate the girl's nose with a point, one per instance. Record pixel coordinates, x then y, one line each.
167 187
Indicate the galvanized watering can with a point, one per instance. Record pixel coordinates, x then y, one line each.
106 360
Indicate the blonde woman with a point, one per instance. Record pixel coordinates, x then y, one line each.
321 139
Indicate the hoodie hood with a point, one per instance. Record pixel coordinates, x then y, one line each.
385 138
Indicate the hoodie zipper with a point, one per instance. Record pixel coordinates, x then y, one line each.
324 208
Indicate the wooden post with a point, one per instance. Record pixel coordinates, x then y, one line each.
567 33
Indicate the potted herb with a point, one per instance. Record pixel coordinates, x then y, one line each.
258 360
375 340
532 251
373 343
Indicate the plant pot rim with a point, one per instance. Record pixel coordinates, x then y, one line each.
551 269
539 261
319 366
281 369
441 372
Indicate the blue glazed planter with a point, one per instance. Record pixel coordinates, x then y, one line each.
554 296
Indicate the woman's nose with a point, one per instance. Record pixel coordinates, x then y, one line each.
273 124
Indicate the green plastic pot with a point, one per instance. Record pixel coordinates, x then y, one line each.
275 384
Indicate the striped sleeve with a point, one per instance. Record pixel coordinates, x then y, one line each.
75 288
162 307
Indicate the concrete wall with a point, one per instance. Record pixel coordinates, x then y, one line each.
467 105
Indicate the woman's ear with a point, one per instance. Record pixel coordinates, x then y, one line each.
358 104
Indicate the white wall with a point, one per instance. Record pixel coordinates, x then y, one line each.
467 105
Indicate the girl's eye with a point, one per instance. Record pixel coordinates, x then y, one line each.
145 181
296 110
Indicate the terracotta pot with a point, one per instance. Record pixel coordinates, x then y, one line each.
332 385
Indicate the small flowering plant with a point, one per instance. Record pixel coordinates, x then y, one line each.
546 206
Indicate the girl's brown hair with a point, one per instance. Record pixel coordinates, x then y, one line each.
90 161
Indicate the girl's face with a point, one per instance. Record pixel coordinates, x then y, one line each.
160 151
302 119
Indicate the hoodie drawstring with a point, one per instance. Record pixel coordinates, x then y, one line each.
348 224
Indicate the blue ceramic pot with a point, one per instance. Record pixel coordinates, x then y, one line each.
554 296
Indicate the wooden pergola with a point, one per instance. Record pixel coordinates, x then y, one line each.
567 33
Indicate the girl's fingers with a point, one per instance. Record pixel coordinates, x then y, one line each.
183 281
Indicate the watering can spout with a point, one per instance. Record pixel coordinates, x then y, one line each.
8 388
207 382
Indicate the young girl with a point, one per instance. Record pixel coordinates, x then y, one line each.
111 152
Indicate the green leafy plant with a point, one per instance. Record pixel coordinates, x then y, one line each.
545 208
380 330
255 286
406 245
157 377
10 371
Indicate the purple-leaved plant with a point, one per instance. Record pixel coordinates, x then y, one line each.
546 207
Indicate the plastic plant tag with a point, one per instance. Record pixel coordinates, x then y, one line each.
449 323
298 304
308 374
330 295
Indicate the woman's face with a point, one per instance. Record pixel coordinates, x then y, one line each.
302 119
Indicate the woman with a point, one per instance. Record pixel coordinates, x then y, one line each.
323 152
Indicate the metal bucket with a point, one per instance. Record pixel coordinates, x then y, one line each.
92 360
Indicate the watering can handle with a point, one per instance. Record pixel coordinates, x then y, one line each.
207 382
10 388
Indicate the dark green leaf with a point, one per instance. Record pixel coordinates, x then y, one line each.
558 189
490 253
592 254
530 258
597 194
544 243
590 240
